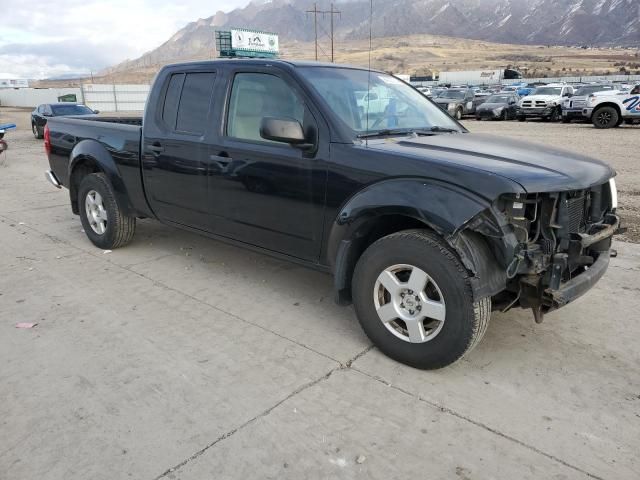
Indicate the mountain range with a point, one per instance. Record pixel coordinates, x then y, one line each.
535 22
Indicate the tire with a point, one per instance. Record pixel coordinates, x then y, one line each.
521 118
38 133
566 119
458 114
605 117
555 116
118 228
447 292
503 115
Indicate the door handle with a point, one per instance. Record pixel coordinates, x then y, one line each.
155 148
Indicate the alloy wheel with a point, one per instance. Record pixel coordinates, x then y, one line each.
96 213
409 303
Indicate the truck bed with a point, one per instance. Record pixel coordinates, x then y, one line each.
117 138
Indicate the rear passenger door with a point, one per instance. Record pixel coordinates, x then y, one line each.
175 162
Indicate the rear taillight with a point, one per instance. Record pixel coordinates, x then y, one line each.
47 140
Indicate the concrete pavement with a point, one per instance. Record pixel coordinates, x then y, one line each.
180 357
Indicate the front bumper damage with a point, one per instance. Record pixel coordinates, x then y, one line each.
595 252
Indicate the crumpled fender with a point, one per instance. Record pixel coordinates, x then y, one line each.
442 207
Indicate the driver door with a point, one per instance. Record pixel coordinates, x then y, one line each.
266 193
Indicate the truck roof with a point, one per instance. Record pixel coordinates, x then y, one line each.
267 61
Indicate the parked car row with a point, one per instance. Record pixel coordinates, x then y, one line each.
604 105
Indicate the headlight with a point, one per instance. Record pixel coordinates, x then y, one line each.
614 193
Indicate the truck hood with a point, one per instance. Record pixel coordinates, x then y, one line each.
546 98
448 100
535 167
491 106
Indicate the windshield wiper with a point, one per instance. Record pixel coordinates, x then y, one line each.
387 131
437 128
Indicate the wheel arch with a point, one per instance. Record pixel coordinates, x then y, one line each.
606 104
87 157
393 206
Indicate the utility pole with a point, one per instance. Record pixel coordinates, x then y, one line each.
324 13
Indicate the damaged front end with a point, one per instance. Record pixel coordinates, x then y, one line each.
553 247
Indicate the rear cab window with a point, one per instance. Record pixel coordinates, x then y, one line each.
187 100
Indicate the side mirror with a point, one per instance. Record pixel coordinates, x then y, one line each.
96 111
283 130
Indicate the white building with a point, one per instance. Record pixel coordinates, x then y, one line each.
14 83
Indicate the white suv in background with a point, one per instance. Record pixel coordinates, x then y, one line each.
544 102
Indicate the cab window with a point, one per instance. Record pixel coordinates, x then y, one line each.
258 95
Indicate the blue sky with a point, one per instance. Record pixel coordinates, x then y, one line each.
40 39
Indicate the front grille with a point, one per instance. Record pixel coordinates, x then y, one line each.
536 104
579 103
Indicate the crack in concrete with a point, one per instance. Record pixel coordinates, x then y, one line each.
481 425
345 366
247 423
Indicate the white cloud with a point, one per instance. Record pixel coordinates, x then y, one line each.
84 35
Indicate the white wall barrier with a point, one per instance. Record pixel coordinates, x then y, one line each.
32 97
106 98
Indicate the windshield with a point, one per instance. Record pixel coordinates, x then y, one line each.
548 91
583 91
61 110
370 102
498 99
454 94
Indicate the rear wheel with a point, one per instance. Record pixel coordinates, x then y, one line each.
103 220
605 117
555 115
413 299
37 131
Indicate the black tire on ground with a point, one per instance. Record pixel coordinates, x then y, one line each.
120 228
566 119
555 116
503 115
37 131
458 114
605 117
465 321
521 118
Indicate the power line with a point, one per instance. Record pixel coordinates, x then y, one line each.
332 12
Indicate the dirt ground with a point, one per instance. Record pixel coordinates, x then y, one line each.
182 358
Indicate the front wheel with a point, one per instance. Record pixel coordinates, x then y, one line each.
413 298
521 118
103 220
458 114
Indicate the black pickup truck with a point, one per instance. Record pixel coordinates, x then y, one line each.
424 226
